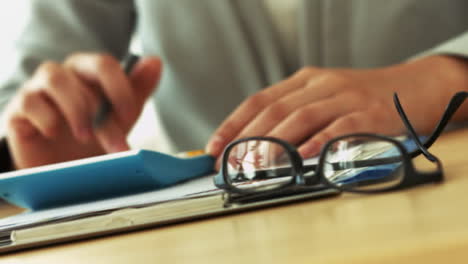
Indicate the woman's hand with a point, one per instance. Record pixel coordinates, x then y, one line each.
50 119
315 105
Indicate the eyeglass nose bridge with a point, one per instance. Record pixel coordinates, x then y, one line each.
309 175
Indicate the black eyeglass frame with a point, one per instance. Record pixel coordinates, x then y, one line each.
411 176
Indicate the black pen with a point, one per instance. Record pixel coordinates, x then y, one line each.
106 107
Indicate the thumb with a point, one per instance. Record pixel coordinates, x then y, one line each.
144 77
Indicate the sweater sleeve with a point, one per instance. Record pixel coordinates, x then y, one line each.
457 46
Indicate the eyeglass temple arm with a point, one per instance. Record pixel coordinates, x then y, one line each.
452 107
422 149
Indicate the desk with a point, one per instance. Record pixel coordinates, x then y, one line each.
427 224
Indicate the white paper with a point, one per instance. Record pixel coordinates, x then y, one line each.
199 185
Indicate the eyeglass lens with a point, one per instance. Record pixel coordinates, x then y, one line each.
259 165
363 164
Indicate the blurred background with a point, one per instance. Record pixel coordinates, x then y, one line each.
13 15
148 133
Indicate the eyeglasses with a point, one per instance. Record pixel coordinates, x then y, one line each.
363 163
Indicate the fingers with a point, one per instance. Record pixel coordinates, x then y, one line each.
106 72
54 93
144 78
127 94
112 137
22 128
299 103
292 100
68 96
355 122
308 120
250 108
36 111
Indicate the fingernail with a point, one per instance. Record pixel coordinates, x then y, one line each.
309 150
214 146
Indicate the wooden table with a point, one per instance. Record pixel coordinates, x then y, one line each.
427 224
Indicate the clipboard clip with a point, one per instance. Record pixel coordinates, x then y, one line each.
293 193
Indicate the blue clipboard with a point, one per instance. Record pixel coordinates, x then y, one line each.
99 178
